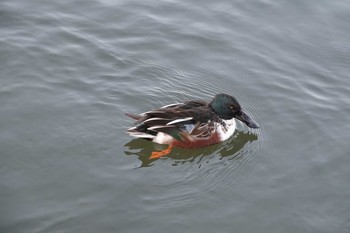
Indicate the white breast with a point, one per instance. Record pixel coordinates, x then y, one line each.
226 133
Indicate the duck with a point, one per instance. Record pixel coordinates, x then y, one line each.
190 124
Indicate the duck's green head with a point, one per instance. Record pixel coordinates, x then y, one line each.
227 107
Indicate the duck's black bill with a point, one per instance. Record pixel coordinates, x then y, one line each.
247 120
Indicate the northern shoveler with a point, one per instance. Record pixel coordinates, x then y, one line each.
191 124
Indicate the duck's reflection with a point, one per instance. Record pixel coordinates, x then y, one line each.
143 149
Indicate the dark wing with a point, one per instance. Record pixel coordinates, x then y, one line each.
173 119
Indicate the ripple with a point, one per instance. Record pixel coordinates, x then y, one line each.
71 69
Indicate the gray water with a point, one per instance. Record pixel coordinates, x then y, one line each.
70 69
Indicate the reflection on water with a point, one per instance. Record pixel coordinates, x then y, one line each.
235 147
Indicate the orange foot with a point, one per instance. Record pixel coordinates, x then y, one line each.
158 154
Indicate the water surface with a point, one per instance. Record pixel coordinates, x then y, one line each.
70 69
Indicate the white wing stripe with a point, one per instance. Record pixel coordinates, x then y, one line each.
179 120
171 105
154 119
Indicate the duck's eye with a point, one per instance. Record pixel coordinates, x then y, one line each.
232 107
